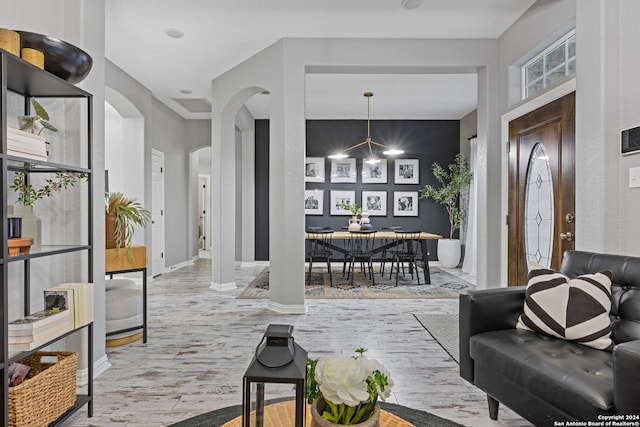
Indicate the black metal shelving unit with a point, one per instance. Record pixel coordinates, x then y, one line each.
24 79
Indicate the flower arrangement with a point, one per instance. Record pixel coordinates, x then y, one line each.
350 386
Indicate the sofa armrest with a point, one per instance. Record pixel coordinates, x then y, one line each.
483 311
626 377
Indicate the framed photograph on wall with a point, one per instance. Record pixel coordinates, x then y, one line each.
407 171
374 202
343 170
313 202
314 169
374 173
339 197
405 203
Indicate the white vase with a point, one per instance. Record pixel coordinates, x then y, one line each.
354 224
31 224
317 421
449 252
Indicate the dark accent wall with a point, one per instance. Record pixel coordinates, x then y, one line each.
429 141
262 190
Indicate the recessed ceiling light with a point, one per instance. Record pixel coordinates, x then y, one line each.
186 91
174 33
411 4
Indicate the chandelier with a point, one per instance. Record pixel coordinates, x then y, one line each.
389 151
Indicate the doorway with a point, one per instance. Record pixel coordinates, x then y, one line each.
157 212
541 205
203 213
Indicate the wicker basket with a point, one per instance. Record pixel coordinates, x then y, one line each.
48 391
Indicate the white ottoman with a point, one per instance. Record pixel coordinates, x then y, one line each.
123 306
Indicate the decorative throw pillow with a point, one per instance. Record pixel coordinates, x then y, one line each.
572 309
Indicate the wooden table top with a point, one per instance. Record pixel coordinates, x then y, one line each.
381 234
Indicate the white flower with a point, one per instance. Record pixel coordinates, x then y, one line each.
371 366
342 380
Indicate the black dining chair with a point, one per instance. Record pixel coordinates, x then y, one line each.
385 242
360 250
319 248
406 251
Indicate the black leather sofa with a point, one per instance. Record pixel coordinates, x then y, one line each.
545 379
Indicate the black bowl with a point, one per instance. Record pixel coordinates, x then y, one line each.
60 58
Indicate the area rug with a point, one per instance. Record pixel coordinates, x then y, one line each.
413 417
443 285
444 329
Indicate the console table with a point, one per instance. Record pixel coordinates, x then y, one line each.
118 262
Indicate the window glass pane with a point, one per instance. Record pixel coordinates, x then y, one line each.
571 47
555 58
555 76
571 67
534 71
534 88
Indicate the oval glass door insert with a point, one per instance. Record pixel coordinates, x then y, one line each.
538 208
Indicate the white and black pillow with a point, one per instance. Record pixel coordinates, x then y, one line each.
572 309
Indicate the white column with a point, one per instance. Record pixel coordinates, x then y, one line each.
248 198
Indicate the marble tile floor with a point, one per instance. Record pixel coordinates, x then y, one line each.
201 341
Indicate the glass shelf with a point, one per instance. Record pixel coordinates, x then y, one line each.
47 250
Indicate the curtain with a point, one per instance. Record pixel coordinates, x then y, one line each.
471 246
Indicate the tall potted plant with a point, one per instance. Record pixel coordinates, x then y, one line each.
452 181
121 214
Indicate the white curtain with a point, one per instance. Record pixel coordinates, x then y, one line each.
471 246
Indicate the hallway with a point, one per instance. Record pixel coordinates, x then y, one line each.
201 341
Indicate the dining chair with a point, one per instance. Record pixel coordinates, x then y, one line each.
319 248
360 249
406 251
384 243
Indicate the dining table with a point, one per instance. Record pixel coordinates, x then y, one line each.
388 239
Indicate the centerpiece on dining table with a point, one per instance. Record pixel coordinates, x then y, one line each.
345 390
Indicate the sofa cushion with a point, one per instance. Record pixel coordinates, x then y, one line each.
573 309
566 375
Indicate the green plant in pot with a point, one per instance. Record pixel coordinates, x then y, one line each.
122 214
38 122
452 181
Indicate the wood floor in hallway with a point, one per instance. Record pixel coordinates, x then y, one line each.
201 341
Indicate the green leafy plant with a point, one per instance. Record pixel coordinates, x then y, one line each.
452 181
352 207
28 194
128 212
349 386
41 118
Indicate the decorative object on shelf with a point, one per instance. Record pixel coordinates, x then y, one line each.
345 390
452 181
10 41
122 213
372 159
31 224
15 227
19 246
407 171
37 123
28 194
62 59
33 57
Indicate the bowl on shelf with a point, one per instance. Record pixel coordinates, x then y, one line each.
63 59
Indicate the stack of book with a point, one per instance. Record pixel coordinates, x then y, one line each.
37 329
66 307
25 144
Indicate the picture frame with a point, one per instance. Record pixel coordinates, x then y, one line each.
375 173
407 171
343 170
338 197
405 203
374 202
314 202
314 169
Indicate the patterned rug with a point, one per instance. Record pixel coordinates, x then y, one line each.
444 329
443 285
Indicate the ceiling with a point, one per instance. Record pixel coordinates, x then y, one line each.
220 34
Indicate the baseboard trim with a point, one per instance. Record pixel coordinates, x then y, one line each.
287 308
177 266
223 286
99 367
247 264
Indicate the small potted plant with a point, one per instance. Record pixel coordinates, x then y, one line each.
35 124
345 390
354 222
121 214
452 181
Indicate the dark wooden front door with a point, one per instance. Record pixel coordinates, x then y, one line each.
541 217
